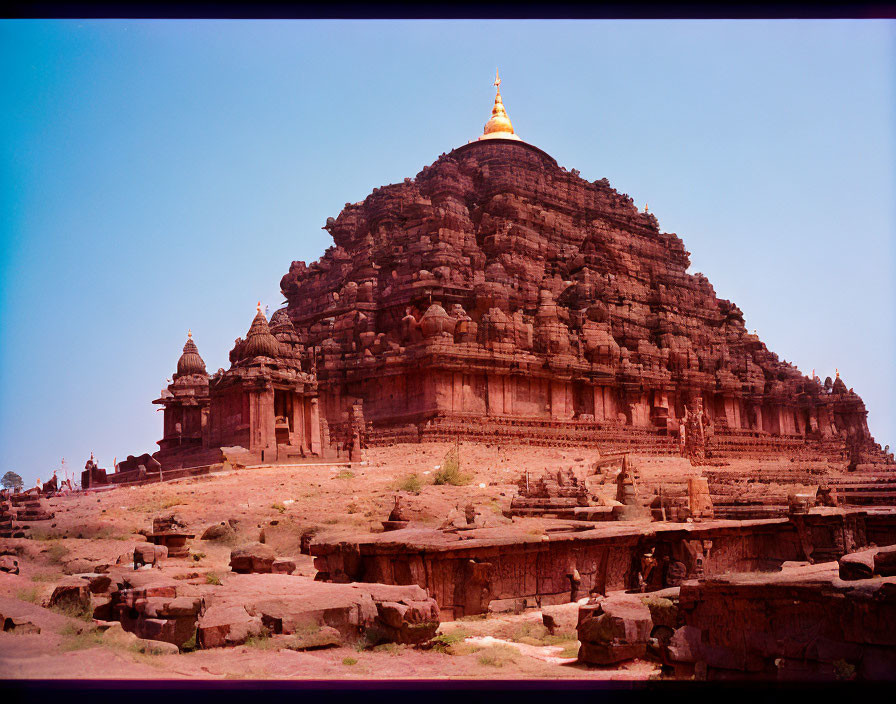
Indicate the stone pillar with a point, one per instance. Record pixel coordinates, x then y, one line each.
641 410
456 404
508 385
732 412
315 427
599 413
300 438
800 422
262 433
495 394
611 408
559 402
782 420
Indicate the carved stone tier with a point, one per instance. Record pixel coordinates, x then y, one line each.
498 294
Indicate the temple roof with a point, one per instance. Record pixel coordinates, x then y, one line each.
259 340
190 362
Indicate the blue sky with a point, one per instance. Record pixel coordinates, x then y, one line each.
162 175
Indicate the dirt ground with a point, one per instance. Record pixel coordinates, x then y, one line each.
93 528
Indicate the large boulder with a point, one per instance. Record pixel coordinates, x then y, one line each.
885 561
71 595
857 565
279 604
864 564
218 531
153 607
614 629
254 557
226 623
114 634
149 554
9 564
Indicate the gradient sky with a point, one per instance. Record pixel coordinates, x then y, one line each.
162 175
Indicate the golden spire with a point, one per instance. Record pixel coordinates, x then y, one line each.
190 334
499 125
645 207
258 307
837 372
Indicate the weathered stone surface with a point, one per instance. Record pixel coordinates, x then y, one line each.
47 620
77 566
562 617
281 565
19 626
286 605
114 634
150 606
857 565
803 622
9 564
614 629
486 568
255 557
885 561
218 531
149 554
226 624
74 593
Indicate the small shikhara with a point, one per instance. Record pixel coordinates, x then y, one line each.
266 404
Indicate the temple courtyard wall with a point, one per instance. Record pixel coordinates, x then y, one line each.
493 569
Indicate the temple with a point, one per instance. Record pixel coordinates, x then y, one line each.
264 408
499 296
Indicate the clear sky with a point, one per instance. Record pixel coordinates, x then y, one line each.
162 175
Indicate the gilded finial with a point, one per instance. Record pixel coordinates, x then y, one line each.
190 334
837 372
499 125
258 307
645 207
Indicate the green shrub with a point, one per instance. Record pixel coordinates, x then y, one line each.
345 474
449 473
410 483
391 648
530 633
81 640
844 670
262 642
443 642
349 661
79 611
213 578
56 552
279 507
570 651
31 594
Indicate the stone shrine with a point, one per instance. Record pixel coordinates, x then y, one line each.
265 405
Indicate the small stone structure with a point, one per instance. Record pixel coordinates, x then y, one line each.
266 403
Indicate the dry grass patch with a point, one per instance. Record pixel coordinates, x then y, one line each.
498 655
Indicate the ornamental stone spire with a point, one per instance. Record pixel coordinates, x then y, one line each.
499 125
